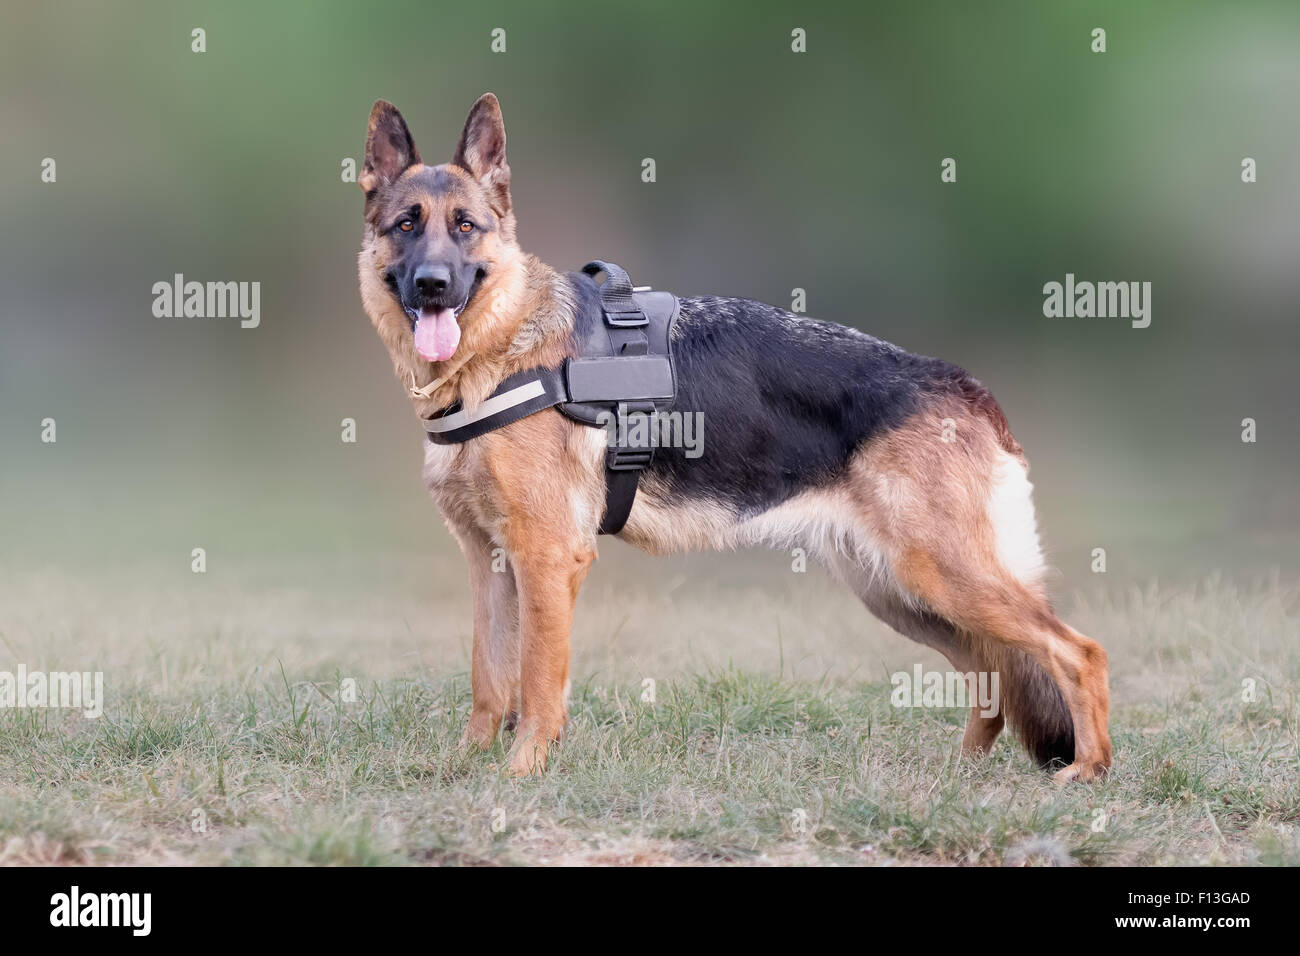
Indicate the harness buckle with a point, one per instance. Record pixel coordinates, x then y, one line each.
631 319
625 457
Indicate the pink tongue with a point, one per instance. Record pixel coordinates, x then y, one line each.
436 335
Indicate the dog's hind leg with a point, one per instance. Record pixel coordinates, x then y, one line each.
1022 638
986 718
945 499
925 627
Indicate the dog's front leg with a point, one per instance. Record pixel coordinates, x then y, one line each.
494 673
550 565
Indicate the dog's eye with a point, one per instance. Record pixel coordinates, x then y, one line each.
466 226
406 225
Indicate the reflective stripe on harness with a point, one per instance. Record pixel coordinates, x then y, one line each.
520 395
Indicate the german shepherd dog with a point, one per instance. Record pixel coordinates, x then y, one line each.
898 472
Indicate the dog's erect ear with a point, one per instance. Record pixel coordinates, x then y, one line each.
482 150
389 148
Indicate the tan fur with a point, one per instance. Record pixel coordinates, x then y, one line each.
516 489
531 488
926 501
518 319
909 526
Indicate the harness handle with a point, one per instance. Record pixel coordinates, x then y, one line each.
616 295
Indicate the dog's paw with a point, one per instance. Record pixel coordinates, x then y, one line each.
528 755
480 733
1081 772
526 761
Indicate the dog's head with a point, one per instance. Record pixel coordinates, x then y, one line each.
438 238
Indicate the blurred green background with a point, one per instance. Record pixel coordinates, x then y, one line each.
775 170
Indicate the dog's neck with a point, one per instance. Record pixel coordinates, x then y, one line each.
522 321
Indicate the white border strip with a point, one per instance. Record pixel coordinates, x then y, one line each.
498 403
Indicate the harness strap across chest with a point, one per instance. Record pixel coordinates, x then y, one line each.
623 369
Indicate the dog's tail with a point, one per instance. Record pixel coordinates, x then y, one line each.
1033 705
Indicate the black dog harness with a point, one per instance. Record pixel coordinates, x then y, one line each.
624 369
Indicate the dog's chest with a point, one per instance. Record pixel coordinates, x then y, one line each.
460 482
532 469
444 464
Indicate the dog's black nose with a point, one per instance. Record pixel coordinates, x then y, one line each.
432 279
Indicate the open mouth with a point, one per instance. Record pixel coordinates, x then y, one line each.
437 331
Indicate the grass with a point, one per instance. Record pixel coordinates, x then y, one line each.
228 736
